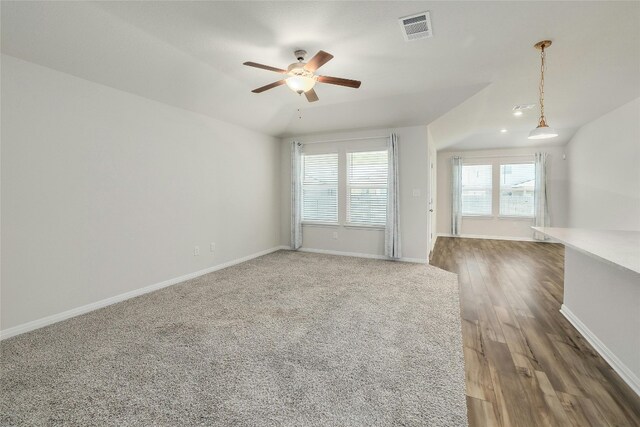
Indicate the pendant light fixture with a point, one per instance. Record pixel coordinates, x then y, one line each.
543 131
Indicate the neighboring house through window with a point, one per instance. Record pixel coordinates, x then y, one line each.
517 186
513 193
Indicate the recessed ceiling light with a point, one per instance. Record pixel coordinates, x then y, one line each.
503 131
517 113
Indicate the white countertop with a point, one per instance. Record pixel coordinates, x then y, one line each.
621 248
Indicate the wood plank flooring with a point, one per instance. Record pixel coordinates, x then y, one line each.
525 363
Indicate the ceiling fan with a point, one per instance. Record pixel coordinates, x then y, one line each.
300 75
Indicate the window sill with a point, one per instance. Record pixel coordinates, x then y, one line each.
320 224
499 217
516 218
364 226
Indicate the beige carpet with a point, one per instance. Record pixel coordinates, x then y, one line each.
288 339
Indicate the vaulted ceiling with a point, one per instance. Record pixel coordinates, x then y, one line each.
463 82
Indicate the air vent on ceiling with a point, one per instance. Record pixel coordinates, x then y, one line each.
522 107
416 27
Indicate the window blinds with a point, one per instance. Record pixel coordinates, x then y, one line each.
320 188
367 187
476 190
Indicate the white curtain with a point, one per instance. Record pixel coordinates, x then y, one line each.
456 195
392 229
541 209
296 195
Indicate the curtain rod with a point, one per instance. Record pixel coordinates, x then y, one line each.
344 140
494 157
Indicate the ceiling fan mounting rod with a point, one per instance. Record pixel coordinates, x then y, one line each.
300 54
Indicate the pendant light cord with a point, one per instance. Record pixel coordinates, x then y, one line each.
541 87
542 131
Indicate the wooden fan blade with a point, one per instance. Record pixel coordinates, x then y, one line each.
311 95
338 81
265 67
318 61
269 86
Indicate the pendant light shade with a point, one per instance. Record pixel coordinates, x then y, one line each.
543 131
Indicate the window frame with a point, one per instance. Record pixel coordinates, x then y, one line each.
337 188
491 215
349 186
499 165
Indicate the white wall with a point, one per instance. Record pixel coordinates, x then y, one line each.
606 315
501 227
104 192
604 171
413 176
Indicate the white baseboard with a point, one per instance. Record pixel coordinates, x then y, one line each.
482 236
625 373
45 321
360 255
415 260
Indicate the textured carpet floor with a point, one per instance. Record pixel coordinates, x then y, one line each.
287 339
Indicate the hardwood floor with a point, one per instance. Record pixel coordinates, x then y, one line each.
525 363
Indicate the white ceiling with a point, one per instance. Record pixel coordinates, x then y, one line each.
463 81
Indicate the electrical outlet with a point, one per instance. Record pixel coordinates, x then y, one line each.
335 235
212 247
196 251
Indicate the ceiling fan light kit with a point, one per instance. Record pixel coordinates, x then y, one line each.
300 84
542 131
301 80
301 75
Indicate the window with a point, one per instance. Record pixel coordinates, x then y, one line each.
517 186
320 188
367 187
476 190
